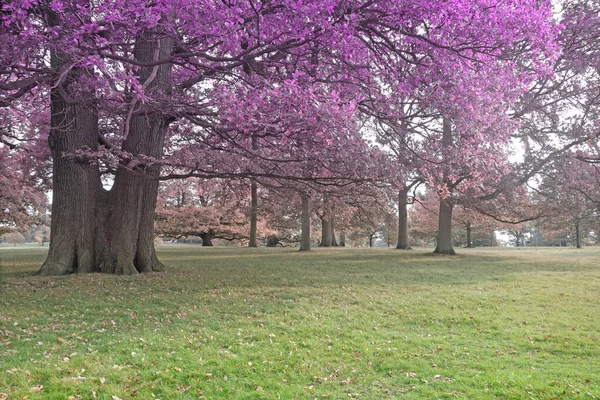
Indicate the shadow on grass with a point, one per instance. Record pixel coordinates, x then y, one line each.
194 266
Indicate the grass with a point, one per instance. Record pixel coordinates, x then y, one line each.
333 323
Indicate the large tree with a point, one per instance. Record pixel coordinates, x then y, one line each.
117 75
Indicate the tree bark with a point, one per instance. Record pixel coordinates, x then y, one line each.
130 228
94 230
371 239
75 184
326 233
305 236
444 238
253 215
326 223
403 220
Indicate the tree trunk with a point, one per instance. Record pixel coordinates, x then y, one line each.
207 238
468 227
343 239
254 205
403 220
75 184
444 238
492 235
371 240
253 215
326 223
326 233
333 240
130 228
272 241
305 237
577 233
94 230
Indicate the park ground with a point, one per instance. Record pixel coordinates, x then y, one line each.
241 323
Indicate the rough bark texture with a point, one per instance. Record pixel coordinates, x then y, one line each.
75 189
326 229
94 230
253 215
403 221
305 236
75 184
444 238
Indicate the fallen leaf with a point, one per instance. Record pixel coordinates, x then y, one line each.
37 388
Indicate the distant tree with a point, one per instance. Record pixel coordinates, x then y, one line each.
14 238
41 234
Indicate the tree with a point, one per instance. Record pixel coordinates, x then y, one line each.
118 74
14 237
41 234
209 209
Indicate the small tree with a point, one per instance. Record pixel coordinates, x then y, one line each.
14 238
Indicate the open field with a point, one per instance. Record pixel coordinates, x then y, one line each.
333 323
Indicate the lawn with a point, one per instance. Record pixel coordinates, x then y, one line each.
334 323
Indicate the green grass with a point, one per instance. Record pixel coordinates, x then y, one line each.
333 323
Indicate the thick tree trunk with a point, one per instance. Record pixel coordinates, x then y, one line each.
326 233
130 228
75 183
207 238
444 238
305 236
94 230
469 242
403 221
253 215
